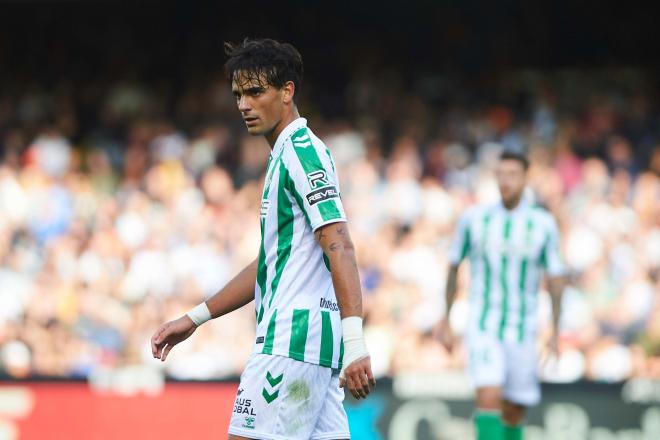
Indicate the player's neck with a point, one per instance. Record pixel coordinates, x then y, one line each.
512 203
288 118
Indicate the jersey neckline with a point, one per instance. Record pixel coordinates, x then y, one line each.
293 126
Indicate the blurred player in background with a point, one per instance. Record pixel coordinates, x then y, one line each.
510 245
304 282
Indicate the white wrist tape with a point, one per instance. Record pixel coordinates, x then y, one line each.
354 346
199 314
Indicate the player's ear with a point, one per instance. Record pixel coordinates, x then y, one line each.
288 90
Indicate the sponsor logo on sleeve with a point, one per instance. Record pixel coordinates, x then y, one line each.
317 179
321 194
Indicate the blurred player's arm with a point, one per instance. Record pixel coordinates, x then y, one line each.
443 330
237 293
336 243
459 249
556 286
556 280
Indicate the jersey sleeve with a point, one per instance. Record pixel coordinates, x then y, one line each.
550 254
460 245
314 181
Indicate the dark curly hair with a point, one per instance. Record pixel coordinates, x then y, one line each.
264 60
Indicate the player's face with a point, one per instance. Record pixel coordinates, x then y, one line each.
511 178
261 105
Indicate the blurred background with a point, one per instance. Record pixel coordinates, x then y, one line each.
129 192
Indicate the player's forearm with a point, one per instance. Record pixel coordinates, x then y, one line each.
237 293
336 243
450 290
555 288
346 280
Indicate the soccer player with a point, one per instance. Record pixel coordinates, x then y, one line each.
510 245
308 305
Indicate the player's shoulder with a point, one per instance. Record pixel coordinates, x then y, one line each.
474 212
301 140
542 215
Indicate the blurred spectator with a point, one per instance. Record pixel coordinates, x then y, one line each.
111 223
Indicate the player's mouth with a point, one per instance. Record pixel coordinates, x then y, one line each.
250 120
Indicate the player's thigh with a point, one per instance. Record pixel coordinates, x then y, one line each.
489 398
486 365
278 398
332 423
522 382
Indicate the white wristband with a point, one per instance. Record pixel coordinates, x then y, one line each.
354 346
199 314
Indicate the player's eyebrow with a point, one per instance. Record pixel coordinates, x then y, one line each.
255 89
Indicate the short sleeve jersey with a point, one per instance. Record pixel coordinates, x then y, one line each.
508 252
296 306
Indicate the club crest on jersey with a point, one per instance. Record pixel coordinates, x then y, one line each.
317 179
265 204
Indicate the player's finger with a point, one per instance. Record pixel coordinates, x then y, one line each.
165 352
351 386
342 382
155 342
370 377
364 382
357 382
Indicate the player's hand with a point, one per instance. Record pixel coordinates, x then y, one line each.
170 334
445 334
358 378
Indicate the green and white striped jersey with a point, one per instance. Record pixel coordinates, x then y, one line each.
297 312
508 252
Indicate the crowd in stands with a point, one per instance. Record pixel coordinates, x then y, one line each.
123 205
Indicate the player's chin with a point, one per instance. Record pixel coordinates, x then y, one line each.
255 130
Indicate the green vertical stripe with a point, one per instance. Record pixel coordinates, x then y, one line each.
270 334
466 242
544 252
299 327
523 281
311 162
486 305
327 341
284 230
341 352
504 282
262 270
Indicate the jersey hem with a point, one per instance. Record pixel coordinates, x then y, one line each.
315 361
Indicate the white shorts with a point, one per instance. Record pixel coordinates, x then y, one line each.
513 366
284 399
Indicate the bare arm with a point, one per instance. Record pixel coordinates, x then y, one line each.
237 293
336 243
338 247
443 330
556 287
450 291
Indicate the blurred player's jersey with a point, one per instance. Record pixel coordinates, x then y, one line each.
508 252
297 312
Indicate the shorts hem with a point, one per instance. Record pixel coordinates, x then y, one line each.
333 436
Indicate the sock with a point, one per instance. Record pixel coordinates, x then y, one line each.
488 425
514 432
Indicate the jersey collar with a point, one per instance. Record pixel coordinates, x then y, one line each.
288 131
522 204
